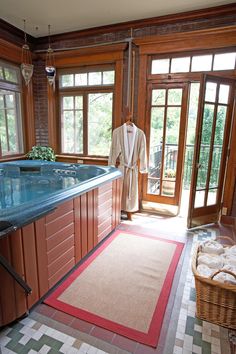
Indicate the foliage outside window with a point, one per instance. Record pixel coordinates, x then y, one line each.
86 112
11 136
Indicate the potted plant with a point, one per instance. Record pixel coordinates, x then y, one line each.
168 183
41 153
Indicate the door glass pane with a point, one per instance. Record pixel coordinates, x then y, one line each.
203 166
201 63
212 196
205 145
224 94
68 131
72 124
210 94
79 131
217 147
224 61
9 101
172 142
68 102
158 97
155 154
108 77
10 75
95 78
67 80
81 79
99 123
3 132
180 65
207 123
1 73
190 141
174 96
172 125
160 66
168 187
199 199
11 125
78 102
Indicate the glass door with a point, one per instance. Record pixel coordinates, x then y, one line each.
210 156
165 133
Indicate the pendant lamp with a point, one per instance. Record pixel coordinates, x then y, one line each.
50 62
26 61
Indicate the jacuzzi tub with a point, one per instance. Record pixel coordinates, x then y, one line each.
51 216
30 189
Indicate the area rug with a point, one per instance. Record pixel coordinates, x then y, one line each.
123 286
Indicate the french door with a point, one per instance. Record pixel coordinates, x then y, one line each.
165 132
211 149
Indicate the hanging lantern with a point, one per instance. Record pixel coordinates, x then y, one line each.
50 63
26 61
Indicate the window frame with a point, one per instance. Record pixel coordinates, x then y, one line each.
190 74
17 89
84 91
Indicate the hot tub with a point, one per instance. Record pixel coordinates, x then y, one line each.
29 189
51 216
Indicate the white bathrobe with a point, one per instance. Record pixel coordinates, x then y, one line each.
130 151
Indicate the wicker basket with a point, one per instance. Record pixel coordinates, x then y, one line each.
215 301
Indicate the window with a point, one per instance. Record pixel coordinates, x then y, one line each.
11 136
86 100
194 63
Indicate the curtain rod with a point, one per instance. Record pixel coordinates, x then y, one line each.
127 40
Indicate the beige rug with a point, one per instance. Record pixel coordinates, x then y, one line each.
124 286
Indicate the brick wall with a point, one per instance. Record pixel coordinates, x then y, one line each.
40 103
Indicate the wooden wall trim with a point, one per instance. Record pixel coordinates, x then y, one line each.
10 51
178 42
195 15
52 119
28 119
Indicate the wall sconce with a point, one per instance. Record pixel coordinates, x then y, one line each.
26 61
50 63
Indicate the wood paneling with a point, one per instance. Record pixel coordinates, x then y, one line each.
7 293
78 243
194 40
60 236
84 224
17 261
60 240
41 249
30 263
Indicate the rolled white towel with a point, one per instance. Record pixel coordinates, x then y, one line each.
211 260
229 259
205 271
211 247
231 250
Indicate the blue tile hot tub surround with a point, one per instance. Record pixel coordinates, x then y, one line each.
30 189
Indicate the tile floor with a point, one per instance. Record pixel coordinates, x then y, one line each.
47 330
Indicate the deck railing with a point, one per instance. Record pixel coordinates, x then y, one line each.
171 152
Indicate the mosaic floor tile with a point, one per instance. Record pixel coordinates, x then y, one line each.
59 332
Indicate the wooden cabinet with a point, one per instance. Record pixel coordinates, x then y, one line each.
46 250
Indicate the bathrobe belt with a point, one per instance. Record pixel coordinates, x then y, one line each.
130 168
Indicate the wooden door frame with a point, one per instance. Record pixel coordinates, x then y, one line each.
211 213
181 146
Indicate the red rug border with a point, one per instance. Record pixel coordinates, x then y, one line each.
152 336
